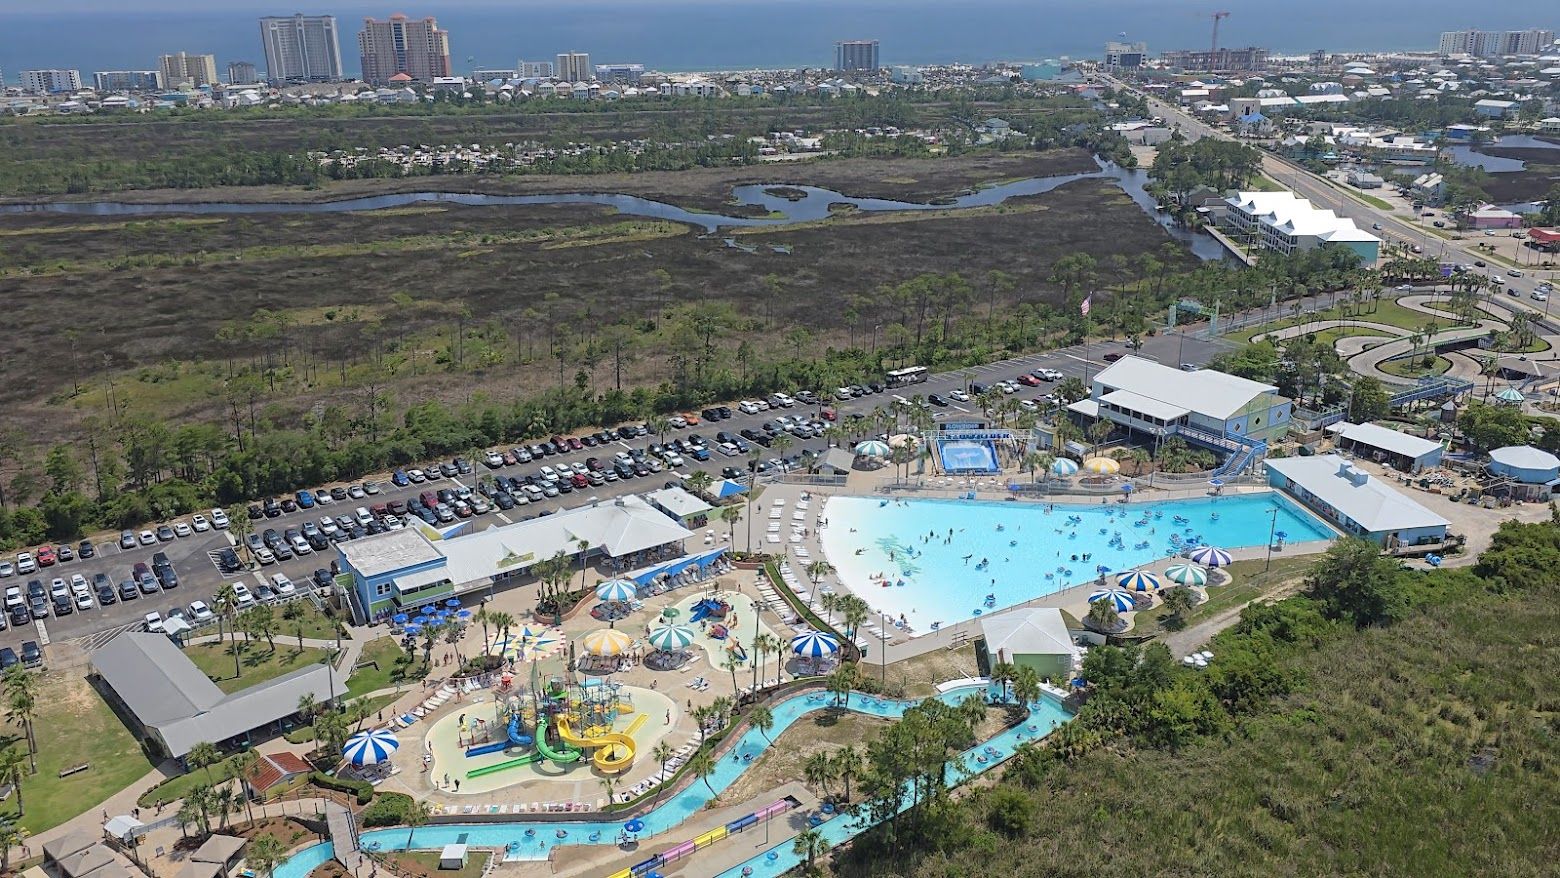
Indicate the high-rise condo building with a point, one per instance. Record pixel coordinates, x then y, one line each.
51 81
1494 43
574 67
1125 56
403 49
859 55
242 73
181 67
301 48
535 69
126 80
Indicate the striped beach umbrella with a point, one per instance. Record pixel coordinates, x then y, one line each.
670 638
606 642
1137 580
1064 466
616 591
1120 600
1211 556
370 747
1187 574
872 448
1102 466
814 644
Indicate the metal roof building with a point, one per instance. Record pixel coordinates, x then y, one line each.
1403 451
177 706
1356 503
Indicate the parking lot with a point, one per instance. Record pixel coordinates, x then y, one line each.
192 557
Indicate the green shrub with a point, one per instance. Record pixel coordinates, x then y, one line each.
387 809
360 788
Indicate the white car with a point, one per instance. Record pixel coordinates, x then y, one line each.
533 493
785 400
1008 386
200 612
26 563
13 598
1514 272
7 569
673 459
219 519
1029 405
327 525
363 516
323 498
1536 295
1048 374
300 546
83 596
727 449
147 538
494 459
200 523
282 585
748 407
181 529
958 396
265 556
356 492
153 622
677 421
242 596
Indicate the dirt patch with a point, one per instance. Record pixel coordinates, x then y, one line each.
826 731
919 676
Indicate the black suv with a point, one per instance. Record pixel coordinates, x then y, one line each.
32 656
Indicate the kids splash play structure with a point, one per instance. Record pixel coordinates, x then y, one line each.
558 723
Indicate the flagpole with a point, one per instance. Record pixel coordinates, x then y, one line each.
1083 308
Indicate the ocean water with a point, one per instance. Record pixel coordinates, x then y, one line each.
732 34
1001 553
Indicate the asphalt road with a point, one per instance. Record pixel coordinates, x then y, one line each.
199 576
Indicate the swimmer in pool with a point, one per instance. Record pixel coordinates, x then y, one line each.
967 559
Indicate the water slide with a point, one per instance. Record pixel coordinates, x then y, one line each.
527 759
614 752
564 757
516 737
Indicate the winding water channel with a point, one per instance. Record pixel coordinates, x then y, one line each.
813 204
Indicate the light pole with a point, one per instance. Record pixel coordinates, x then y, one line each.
1272 529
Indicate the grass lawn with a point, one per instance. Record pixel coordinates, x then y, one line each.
425 864
1411 367
377 668
1250 582
73 725
1386 311
820 731
260 663
176 788
315 624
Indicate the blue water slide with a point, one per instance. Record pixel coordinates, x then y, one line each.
515 736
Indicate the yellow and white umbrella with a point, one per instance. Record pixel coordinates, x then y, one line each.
606 642
1102 466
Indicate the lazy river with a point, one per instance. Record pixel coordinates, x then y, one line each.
813 204
533 839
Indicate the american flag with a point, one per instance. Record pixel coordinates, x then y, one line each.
1087 303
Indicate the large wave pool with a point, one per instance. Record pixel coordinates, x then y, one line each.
945 561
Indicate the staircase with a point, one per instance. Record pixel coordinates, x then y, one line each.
344 837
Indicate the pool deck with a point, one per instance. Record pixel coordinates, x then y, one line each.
732 851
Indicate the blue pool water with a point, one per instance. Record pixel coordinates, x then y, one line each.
1045 716
1016 552
968 456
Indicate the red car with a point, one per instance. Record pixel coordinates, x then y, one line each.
45 556
829 414
575 444
579 481
1029 380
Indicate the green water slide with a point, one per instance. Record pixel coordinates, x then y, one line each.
562 757
527 759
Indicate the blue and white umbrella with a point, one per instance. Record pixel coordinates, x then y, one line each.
1137 580
1210 556
671 638
616 591
452 603
872 448
1120 600
370 747
1187 574
1065 466
814 644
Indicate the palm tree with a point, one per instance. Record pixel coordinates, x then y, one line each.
482 617
703 765
243 768
818 570
1037 462
809 844
241 527
223 804
609 786
1002 673
699 481
662 753
226 604
204 755
501 622
453 633
731 515
762 719
855 612
731 663
416 815
10 836
265 853
21 691
847 767
1026 685
702 715
13 770
819 770
583 546
1102 616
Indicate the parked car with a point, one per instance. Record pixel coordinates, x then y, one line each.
32 656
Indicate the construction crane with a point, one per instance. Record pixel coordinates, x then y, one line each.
1217 17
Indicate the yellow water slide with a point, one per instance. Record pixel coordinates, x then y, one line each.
614 752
